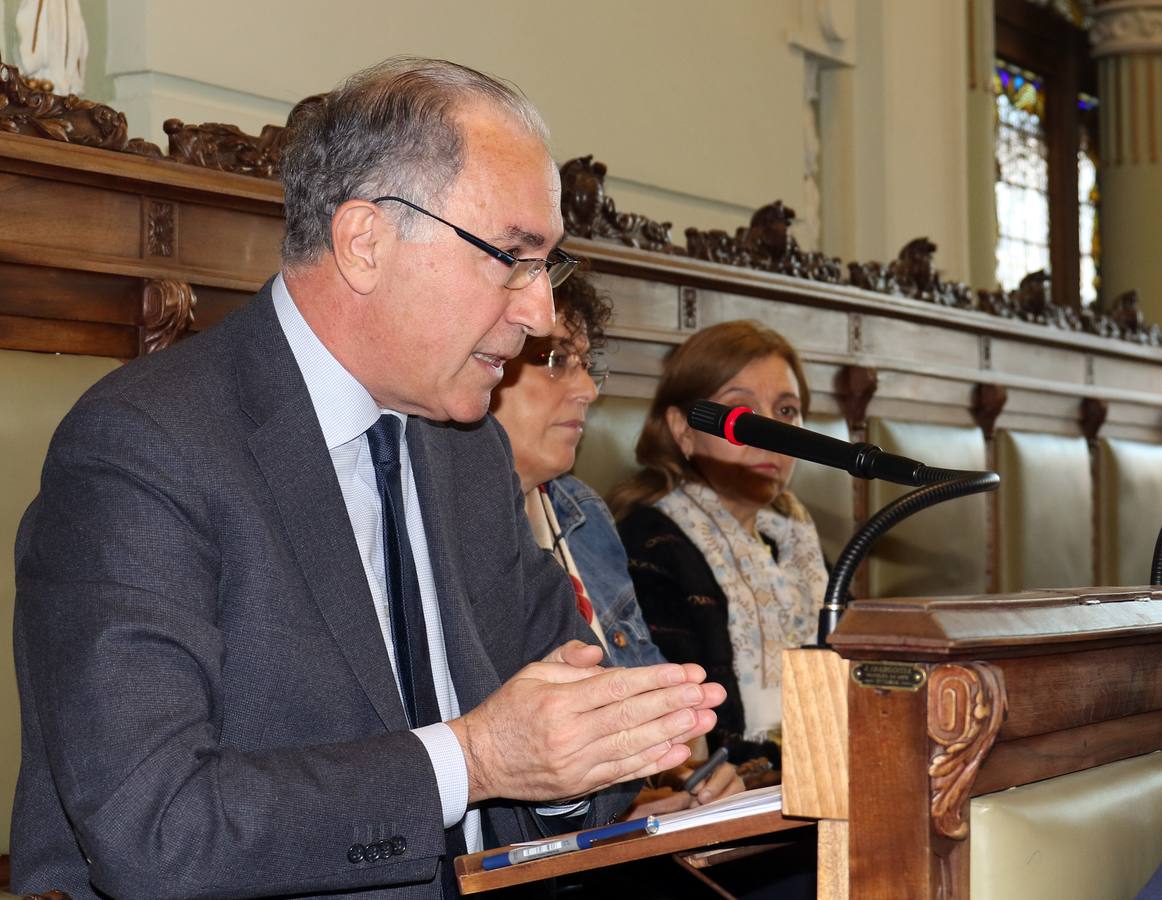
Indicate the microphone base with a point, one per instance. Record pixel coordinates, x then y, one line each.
828 621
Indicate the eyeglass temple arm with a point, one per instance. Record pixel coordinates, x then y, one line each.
472 239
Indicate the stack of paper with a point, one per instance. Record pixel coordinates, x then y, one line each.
737 806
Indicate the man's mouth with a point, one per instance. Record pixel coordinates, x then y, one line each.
497 362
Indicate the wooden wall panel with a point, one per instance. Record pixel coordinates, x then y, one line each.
39 212
1023 359
244 245
919 343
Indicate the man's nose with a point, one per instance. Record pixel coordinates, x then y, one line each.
532 307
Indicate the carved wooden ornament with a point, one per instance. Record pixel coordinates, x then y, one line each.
966 706
855 387
987 402
167 311
25 108
1093 416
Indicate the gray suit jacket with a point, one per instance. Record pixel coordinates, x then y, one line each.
208 707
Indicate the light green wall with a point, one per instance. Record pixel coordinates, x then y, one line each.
27 421
697 109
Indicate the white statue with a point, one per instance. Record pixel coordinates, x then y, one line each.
53 43
808 224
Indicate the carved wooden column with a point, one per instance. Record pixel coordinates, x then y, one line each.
1092 415
1127 43
966 706
987 402
854 388
918 733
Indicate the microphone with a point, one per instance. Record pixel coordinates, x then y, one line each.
741 426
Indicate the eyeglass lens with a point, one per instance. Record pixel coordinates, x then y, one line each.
525 271
561 362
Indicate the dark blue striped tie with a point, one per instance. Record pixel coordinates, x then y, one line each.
413 662
409 633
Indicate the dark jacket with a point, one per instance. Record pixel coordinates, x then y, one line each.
688 616
207 704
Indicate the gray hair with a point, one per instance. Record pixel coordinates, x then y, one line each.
389 129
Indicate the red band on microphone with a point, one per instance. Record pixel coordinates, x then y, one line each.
728 423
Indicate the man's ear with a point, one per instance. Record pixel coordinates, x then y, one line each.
361 239
680 430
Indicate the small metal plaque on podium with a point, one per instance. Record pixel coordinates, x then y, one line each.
891 676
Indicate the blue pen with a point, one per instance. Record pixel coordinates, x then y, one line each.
581 841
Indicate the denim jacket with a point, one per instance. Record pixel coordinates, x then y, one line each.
588 528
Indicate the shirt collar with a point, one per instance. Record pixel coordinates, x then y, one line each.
343 406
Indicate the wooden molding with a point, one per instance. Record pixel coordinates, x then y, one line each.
966 706
765 244
167 312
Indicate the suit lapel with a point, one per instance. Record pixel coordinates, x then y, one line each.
473 673
289 448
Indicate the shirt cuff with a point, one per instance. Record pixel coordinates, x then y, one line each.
451 769
580 808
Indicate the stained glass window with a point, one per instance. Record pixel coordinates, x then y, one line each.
1022 185
1088 200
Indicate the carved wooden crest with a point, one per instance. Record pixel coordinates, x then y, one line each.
966 706
226 147
587 211
167 312
27 109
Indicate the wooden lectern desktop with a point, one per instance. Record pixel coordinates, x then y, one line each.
919 706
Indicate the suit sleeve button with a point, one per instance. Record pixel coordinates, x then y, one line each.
355 853
399 845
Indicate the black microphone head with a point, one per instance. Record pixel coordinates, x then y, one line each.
708 416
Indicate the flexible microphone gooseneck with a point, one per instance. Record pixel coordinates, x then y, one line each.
741 426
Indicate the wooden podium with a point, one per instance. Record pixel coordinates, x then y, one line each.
473 879
923 704
920 706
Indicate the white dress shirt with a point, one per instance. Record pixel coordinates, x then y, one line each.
345 411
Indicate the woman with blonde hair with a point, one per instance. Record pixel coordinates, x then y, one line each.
726 562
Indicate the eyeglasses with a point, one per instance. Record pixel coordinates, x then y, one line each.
561 362
558 267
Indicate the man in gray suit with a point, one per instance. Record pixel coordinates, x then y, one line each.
262 559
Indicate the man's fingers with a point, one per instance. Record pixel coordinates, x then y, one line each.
713 695
638 709
704 724
576 653
616 685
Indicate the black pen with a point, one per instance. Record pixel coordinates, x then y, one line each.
717 758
